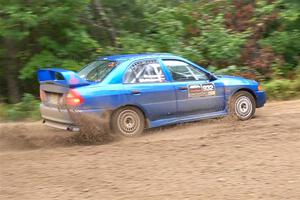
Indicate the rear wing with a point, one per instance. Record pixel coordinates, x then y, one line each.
61 77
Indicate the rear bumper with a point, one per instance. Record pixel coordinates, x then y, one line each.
56 115
260 98
60 118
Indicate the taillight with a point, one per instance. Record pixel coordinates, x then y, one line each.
42 95
73 98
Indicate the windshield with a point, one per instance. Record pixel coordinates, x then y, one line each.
96 71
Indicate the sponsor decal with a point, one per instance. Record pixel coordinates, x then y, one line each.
73 79
111 64
201 90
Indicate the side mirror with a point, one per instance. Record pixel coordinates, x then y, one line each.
211 77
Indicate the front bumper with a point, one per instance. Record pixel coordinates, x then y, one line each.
260 98
61 119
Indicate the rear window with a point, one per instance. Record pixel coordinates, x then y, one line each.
96 71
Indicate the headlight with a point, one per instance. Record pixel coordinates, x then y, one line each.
259 87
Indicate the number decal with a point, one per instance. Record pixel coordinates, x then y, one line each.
201 90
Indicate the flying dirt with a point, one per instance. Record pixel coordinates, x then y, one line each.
210 159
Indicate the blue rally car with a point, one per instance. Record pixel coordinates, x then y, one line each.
144 91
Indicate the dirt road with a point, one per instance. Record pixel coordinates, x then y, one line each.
212 159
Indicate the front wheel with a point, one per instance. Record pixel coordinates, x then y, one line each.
128 121
242 105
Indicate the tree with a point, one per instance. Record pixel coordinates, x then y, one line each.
38 34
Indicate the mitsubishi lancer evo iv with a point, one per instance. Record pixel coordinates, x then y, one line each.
144 91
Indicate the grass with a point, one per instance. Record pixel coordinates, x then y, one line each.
282 89
27 109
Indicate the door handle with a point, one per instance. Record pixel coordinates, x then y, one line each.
182 88
135 92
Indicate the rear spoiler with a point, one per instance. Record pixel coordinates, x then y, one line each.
60 77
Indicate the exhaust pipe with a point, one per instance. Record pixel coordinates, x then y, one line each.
73 128
61 126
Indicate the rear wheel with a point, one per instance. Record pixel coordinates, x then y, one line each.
242 105
128 121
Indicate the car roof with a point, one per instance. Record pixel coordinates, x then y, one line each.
124 57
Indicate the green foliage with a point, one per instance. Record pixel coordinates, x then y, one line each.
46 59
47 33
40 60
282 89
218 44
3 112
285 43
134 43
28 109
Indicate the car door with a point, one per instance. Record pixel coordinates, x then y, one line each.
146 86
195 92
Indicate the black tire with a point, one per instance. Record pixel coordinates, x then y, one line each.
128 121
242 105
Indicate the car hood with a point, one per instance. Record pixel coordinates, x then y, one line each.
236 80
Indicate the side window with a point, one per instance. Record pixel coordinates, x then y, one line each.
182 71
147 71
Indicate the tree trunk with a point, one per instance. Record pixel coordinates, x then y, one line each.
102 19
11 72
